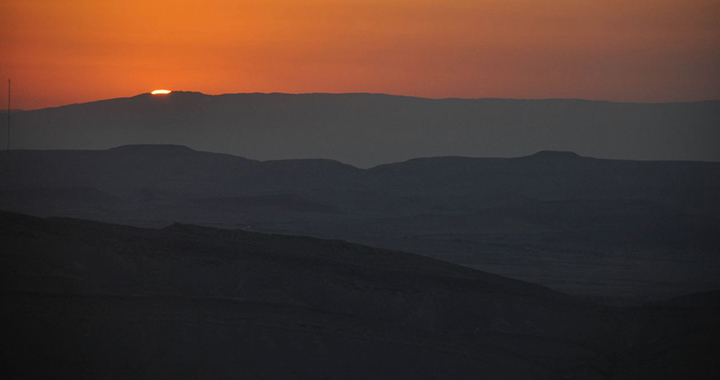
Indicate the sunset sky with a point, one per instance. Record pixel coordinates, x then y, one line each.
67 51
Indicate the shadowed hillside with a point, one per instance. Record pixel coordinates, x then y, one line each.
84 299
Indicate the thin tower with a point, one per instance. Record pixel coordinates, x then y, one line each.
8 114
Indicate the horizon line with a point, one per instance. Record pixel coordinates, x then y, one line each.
369 93
567 154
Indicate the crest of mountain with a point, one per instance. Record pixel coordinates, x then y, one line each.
553 155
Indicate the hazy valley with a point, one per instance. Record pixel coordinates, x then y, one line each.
604 228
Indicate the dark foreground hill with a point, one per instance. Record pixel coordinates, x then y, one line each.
372 129
587 226
89 300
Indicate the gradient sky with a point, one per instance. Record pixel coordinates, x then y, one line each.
66 51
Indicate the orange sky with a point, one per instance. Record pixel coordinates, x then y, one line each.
66 51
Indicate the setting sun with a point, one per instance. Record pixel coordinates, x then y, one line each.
161 92
637 51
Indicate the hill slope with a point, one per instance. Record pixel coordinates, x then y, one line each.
84 299
100 300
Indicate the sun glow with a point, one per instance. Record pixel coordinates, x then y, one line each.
161 92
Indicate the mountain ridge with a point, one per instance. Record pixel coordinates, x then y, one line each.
148 95
366 130
542 154
611 218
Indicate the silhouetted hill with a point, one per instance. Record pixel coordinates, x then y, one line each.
85 299
453 182
578 224
553 155
371 129
104 300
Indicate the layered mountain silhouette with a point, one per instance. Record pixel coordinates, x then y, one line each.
593 227
359 236
370 129
92 300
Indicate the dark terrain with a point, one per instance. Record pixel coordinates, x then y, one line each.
161 261
614 230
90 300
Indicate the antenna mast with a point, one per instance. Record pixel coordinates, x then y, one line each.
8 114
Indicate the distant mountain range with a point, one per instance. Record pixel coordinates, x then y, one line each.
370 129
581 225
